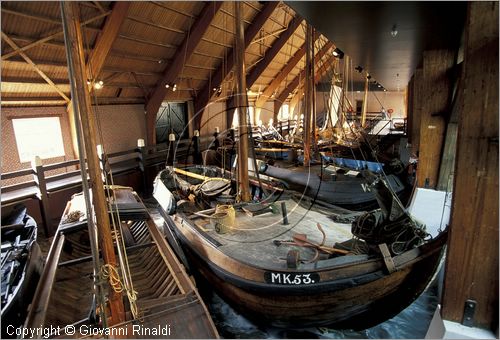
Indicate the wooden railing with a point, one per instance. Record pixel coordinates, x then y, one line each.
42 185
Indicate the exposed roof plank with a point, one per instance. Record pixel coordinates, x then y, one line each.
182 54
34 66
50 37
220 74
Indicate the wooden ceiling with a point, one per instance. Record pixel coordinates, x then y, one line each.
154 40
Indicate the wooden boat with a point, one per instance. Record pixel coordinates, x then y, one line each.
349 192
270 271
166 297
138 289
21 266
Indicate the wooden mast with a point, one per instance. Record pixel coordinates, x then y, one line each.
81 105
312 88
365 103
242 105
308 89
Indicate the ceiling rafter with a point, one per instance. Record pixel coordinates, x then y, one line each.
269 56
173 71
34 66
273 51
275 83
320 71
50 37
109 33
279 100
205 94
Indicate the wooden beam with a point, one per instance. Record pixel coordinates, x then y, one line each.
50 37
273 51
33 65
172 72
436 104
417 109
472 259
205 94
106 38
295 82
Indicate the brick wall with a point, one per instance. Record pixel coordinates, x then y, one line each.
121 126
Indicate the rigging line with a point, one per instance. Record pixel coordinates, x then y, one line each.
131 294
91 209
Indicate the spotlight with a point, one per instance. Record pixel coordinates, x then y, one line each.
337 52
98 85
167 86
359 69
394 31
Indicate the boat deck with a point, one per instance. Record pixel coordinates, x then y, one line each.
251 239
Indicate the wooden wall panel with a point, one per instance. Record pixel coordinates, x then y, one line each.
472 261
435 102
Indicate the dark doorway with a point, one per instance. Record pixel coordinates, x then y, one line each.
172 118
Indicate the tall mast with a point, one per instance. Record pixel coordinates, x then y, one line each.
308 89
242 105
81 105
365 102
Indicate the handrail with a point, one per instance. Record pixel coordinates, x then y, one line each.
17 173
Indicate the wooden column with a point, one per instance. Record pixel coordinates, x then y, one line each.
472 259
417 109
435 100
409 107
43 195
242 104
82 106
365 102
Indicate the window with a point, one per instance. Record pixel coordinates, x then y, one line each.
251 112
284 113
38 137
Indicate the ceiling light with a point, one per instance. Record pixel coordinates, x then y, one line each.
167 86
394 30
337 52
98 85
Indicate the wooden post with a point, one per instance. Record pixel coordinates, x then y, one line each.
141 147
365 103
472 259
435 98
196 147
417 109
312 96
82 106
242 104
307 97
43 196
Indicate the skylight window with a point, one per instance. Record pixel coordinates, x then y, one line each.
38 137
